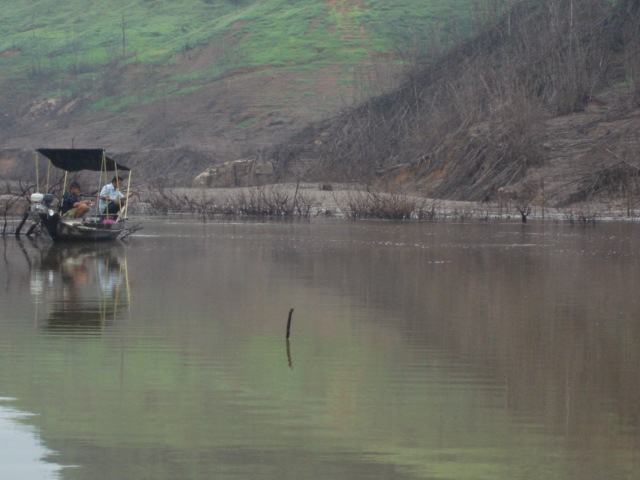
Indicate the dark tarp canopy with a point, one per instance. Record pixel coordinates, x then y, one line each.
76 159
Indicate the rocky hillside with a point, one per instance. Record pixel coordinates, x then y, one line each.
543 100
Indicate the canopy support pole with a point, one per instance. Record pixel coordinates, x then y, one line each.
48 173
37 173
126 205
104 169
115 170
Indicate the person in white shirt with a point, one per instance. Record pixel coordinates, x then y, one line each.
111 198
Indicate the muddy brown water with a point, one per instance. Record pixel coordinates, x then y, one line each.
418 351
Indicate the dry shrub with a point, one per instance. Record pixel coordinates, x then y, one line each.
255 201
615 175
14 203
614 180
388 206
582 217
165 201
429 210
263 201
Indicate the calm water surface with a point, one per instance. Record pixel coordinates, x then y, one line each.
418 351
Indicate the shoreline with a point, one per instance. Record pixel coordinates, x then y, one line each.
348 201
338 203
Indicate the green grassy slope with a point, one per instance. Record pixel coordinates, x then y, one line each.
58 48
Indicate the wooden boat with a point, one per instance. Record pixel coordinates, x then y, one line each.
94 226
61 229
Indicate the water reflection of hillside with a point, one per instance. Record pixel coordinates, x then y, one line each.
83 288
524 312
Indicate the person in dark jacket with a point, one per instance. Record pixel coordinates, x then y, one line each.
71 206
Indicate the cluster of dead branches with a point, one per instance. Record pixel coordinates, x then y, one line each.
620 180
583 217
13 206
387 206
272 201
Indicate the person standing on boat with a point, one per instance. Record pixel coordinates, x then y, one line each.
111 198
72 207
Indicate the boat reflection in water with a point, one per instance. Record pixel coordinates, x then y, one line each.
83 287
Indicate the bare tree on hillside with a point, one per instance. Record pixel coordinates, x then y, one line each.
470 121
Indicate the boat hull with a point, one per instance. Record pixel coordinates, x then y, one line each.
77 230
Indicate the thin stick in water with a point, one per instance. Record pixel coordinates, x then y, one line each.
289 323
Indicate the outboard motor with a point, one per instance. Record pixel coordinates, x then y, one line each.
41 202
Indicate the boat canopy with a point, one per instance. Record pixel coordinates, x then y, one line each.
77 159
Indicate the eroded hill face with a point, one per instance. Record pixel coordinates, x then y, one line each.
232 117
545 97
225 77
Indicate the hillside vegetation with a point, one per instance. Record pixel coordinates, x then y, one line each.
464 100
225 76
543 102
